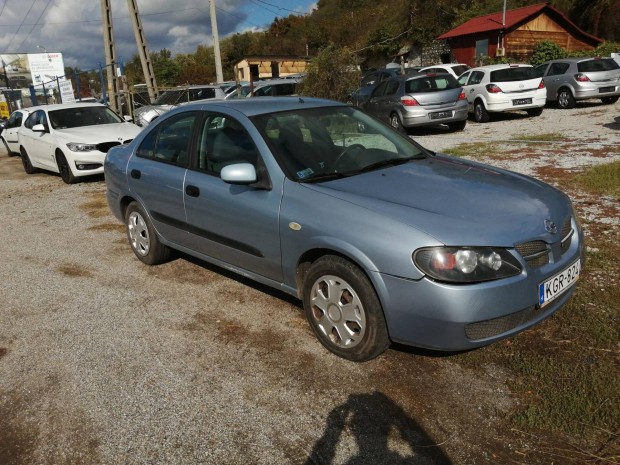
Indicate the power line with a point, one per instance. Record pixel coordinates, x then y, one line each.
35 24
278 7
20 26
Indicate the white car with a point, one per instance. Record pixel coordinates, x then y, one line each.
71 139
455 69
9 131
505 87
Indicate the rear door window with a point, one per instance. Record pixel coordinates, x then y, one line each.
557 69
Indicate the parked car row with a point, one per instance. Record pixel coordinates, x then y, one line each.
432 95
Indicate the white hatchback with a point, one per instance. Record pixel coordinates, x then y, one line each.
505 87
71 139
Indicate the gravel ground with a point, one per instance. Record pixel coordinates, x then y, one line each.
104 360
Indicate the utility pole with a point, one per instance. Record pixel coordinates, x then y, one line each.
216 43
145 58
110 55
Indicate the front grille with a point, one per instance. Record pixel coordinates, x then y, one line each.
105 146
490 328
535 253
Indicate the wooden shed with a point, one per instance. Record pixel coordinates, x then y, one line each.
269 66
515 34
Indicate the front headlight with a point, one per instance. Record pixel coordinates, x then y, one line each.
466 264
78 147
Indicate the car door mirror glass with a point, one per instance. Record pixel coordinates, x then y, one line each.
39 128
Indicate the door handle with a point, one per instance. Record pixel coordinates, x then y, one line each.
136 174
192 191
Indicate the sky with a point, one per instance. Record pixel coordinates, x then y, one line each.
74 27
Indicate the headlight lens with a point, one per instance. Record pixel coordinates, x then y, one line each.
77 147
466 264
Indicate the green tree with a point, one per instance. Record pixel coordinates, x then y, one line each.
546 50
332 74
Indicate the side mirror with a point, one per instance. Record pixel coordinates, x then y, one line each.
39 128
128 118
239 173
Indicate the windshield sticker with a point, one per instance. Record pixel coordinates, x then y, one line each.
305 173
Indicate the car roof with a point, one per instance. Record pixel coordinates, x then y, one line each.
500 66
62 106
577 59
259 106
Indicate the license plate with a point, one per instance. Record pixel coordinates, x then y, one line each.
555 286
441 114
606 89
522 101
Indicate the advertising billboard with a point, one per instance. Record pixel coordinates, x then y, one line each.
23 69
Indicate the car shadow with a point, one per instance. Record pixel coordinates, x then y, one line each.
383 434
615 125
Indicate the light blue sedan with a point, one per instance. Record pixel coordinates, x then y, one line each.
381 239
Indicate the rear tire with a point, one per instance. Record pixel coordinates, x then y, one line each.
143 238
609 100
566 100
480 113
8 150
343 309
28 168
535 111
458 126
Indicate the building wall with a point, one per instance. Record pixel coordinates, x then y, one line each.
269 68
519 43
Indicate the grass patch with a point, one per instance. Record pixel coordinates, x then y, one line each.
602 179
473 150
547 137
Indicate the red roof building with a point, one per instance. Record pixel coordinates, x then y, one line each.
516 34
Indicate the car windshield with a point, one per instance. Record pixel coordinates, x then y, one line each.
319 144
431 83
82 116
459 69
591 66
521 73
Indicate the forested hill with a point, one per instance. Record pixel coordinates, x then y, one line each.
374 29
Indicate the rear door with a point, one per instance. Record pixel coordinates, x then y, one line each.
156 173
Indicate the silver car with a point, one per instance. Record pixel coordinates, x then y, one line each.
419 100
571 79
172 98
381 239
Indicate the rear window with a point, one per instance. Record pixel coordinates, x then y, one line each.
604 64
522 73
431 83
459 69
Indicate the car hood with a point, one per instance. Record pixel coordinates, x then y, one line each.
159 109
456 202
99 133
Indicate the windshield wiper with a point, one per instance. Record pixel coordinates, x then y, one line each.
384 163
323 177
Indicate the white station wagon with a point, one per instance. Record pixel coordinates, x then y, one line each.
505 87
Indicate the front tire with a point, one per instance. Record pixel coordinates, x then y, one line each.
343 309
566 100
609 100
481 115
143 238
28 168
396 124
64 169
